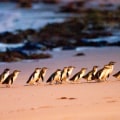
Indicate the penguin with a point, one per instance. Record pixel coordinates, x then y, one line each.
117 75
111 64
42 74
55 77
11 78
102 74
109 70
78 75
69 72
90 75
34 77
4 75
64 74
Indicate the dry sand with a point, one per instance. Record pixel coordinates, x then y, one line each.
83 101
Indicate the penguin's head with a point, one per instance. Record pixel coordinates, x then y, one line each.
70 68
95 67
16 71
111 63
65 68
58 71
7 70
106 66
84 69
37 69
44 68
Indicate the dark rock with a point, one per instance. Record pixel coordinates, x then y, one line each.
74 6
25 3
13 56
115 44
39 56
68 47
10 56
51 1
61 33
80 54
33 46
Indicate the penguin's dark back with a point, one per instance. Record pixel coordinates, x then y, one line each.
50 78
30 77
8 79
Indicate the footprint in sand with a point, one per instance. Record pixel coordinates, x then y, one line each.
68 98
45 106
71 98
32 108
107 97
110 100
62 98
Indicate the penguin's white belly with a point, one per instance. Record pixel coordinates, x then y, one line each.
57 77
70 72
64 75
6 75
36 76
15 77
89 76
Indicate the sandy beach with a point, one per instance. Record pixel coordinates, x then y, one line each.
82 101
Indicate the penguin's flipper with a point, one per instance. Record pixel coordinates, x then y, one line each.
30 78
73 78
85 76
67 74
116 74
1 78
42 78
6 81
108 75
93 77
96 76
11 80
50 78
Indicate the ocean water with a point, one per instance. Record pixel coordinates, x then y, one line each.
13 18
